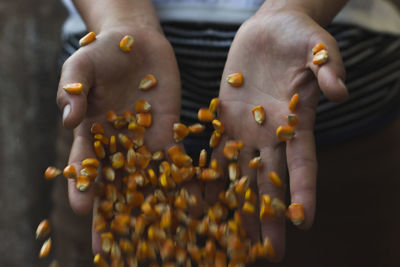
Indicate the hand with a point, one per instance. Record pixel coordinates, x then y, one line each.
111 79
273 52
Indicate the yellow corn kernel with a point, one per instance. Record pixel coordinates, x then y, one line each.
45 250
89 172
255 163
250 196
152 177
295 213
205 115
166 218
293 102
97 128
107 240
51 173
215 139
113 144
125 141
82 183
99 149
218 126
213 105
148 81
90 162
196 128
117 160
285 133
87 39
258 114
248 208
43 230
276 181
70 172
318 48
144 119
142 106
292 120
101 138
234 171
242 186
266 210
180 131
126 43
73 88
320 58
235 79
126 245
99 261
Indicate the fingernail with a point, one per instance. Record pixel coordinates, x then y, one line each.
66 111
342 83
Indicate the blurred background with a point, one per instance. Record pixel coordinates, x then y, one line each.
30 48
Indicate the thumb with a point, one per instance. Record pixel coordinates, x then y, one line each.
330 75
76 69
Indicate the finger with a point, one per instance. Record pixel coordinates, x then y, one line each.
77 69
330 75
302 165
273 159
81 202
96 240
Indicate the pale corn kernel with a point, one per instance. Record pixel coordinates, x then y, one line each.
51 173
108 173
82 183
320 58
276 181
203 158
318 48
293 102
73 88
196 128
295 213
180 131
148 82
285 133
142 106
235 79
234 171
43 230
126 43
87 39
255 163
205 115
45 250
213 105
90 162
292 120
258 114
158 155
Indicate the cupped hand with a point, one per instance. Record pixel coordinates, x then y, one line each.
273 52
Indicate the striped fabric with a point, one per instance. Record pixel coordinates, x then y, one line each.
372 62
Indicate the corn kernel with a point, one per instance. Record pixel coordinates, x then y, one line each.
87 39
320 58
73 88
285 133
276 181
258 114
147 82
235 79
126 43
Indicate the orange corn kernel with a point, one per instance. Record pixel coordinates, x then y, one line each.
51 173
234 171
266 210
97 128
43 230
125 141
218 126
147 82
295 213
70 172
99 149
111 116
318 48
126 43
113 144
99 261
101 138
108 174
213 105
320 58
131 158
203 158
205 115
250 196
242 186
144 119
276 181
73 88
142 106
107 240
231 149
90 162
292 120
210 174
126 245
196 128
235 79
82 183
220 259
87 39
215 139
258 114
45 250
129 116
285 133
134 199
89 172
180 131
165 167
293 102
99 223
255 163
248 208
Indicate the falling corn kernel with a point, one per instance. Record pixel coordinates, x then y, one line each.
258 114
45 250
148 82
196 128
126 43
279 206
235 79
318 48
117 160
213 105
218 126
51 173
73 88
91 162
255 163
285 133
99 149
292 120
203 158
276 181
43 230
180 131
293 102
320 58
233 171
125 141
82 183
97 128
215 138
295 213
89 172
205 115
248 208
108 174
113 144
99 261
142 106
269 248
87 39
144 119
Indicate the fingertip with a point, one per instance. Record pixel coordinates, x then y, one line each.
332 86
74 112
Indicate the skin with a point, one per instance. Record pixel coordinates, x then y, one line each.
273 51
